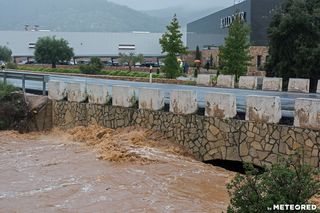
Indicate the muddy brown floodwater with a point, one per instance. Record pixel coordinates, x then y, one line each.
102 170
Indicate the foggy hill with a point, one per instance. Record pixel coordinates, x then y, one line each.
184 14
75 15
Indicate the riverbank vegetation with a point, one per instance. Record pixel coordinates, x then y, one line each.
289 182
11 106
5 90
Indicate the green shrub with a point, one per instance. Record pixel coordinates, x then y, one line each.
87 69
6 90
11 65
190 83
96 62
283 183
94 67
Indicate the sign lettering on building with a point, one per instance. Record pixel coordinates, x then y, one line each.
227 21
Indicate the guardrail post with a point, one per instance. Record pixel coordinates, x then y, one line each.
44 86
24 83
5 78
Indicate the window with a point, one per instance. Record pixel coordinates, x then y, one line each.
127 47
32 45
259 59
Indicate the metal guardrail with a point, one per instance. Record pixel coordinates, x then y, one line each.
26 77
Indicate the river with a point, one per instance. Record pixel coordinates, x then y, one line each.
102 170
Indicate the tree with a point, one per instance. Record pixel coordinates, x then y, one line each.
211 60
52 51
5 54
198 54
288 182
93 67
294 35
171 43
198 57
172 67
234 56
131 59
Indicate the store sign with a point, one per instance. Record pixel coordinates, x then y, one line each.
227 21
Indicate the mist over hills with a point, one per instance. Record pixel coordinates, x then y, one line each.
75 15
184 14
90 16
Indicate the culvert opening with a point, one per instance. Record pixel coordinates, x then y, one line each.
234 166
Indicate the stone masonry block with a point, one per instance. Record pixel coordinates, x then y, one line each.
57 90
318 87
220 105
226 81
98 94
205 79
77 92
272 84
124 96
183 102
248 82
151 99
266 109
307 113
299 85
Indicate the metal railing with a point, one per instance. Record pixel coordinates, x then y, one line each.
25 77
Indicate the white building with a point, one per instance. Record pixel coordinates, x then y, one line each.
86 44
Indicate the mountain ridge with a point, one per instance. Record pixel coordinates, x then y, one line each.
72 15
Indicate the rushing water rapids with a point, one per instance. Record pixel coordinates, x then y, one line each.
139 171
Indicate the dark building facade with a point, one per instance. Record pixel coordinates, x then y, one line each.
211 30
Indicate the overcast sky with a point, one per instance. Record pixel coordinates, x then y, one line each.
160 4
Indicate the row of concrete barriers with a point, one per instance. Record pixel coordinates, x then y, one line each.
251 82
266 109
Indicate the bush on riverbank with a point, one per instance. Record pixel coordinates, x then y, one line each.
5 90
12 106
288 182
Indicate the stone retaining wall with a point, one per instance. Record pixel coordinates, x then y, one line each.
208 138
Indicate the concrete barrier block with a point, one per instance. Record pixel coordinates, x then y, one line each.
318 87
248 82
57 90
226 81
183 102
124 96
151 99
272 84
299 85
266 109
220 105
77 92
98 94
205 79
307 113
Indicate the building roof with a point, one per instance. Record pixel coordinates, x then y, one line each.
86 43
